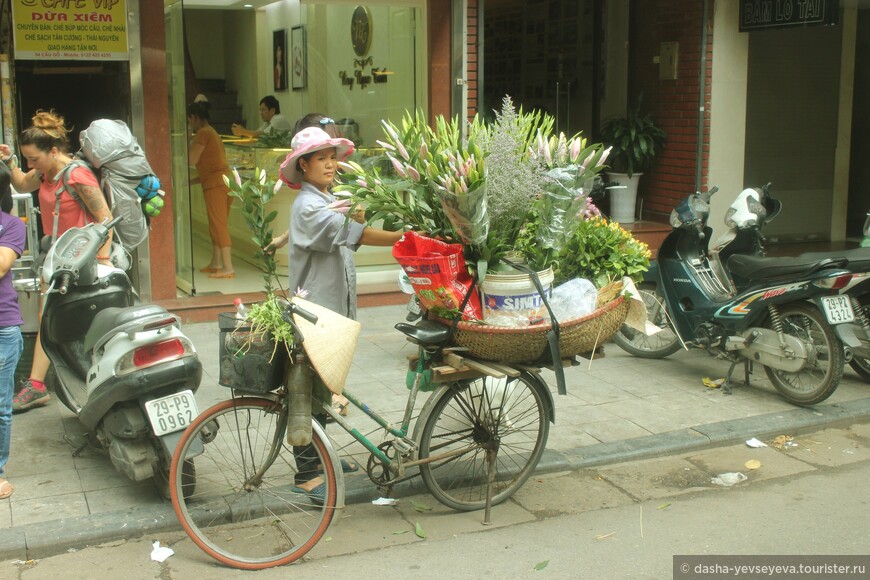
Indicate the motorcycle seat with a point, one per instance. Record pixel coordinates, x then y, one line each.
859 258
111 318
763 268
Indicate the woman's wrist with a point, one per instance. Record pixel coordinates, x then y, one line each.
11 161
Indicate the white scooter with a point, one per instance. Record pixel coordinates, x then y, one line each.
126 370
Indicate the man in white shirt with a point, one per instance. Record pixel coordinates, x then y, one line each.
273 120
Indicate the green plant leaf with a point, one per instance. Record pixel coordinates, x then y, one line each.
419 506
541 565
418 529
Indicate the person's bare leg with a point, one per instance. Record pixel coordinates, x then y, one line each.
40 362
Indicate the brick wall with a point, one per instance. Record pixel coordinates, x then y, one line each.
673 103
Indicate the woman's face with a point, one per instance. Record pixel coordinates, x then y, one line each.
42 161
319 169
194 122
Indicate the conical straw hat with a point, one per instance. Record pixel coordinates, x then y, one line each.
329 344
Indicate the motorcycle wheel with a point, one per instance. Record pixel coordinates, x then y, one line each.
861 365
659 345
188 477
821 376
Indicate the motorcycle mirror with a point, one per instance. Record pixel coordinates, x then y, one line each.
774 206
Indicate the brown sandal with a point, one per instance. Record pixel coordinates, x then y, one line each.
6 488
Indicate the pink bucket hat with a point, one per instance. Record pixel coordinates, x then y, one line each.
308 141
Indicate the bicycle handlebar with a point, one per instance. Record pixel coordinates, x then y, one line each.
287 315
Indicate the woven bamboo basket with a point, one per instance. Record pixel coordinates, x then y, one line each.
529 344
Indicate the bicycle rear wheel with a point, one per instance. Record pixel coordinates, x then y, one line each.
510 415
239 514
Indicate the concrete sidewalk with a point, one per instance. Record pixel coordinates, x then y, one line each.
617 408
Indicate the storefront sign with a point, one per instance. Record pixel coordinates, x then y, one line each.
361 30
70 29
757 14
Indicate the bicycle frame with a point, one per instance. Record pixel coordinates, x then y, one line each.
402 443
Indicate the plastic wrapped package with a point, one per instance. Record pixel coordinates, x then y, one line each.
467 213
573 299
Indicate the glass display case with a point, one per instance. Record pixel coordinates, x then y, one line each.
246 157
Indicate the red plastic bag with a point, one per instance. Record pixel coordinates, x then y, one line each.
438 274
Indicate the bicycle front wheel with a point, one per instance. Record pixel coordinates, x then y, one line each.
508 416
244 512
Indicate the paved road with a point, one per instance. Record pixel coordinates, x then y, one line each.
625 520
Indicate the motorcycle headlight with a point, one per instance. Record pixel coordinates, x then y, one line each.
867 225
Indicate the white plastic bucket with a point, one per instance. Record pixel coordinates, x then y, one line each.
515 296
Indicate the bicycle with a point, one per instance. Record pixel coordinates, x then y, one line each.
475 442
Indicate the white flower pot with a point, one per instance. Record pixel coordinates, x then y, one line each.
623 199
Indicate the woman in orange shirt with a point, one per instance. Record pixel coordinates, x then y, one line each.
208 155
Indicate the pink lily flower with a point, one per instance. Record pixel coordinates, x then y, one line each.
386 145
415 175
341 206
397 166
576 146
262 177
237 177
301 293
604 157
402 151
277 186
390 131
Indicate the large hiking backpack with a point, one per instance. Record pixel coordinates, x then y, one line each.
111 151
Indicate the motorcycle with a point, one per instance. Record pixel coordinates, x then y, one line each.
125 369
776 319
746 217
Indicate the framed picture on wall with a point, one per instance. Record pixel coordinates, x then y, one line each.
299 65
279 50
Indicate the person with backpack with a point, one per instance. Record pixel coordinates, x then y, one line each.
12 239
207 153
67 198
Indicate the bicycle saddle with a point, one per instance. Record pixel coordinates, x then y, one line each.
425 332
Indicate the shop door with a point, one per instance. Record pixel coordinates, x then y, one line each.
792 101
859 170
57 85
175 65
541 54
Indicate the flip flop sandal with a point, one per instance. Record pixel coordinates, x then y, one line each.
209 270
346 467
222 275
6 489
316 494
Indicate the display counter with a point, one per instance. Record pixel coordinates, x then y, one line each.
377 271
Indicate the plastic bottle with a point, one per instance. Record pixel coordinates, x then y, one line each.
300 380
241 310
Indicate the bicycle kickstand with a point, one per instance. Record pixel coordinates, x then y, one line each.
491 452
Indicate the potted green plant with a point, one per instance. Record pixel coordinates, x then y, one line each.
253 349
635 140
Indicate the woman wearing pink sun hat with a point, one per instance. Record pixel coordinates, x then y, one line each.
322 240
321 237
